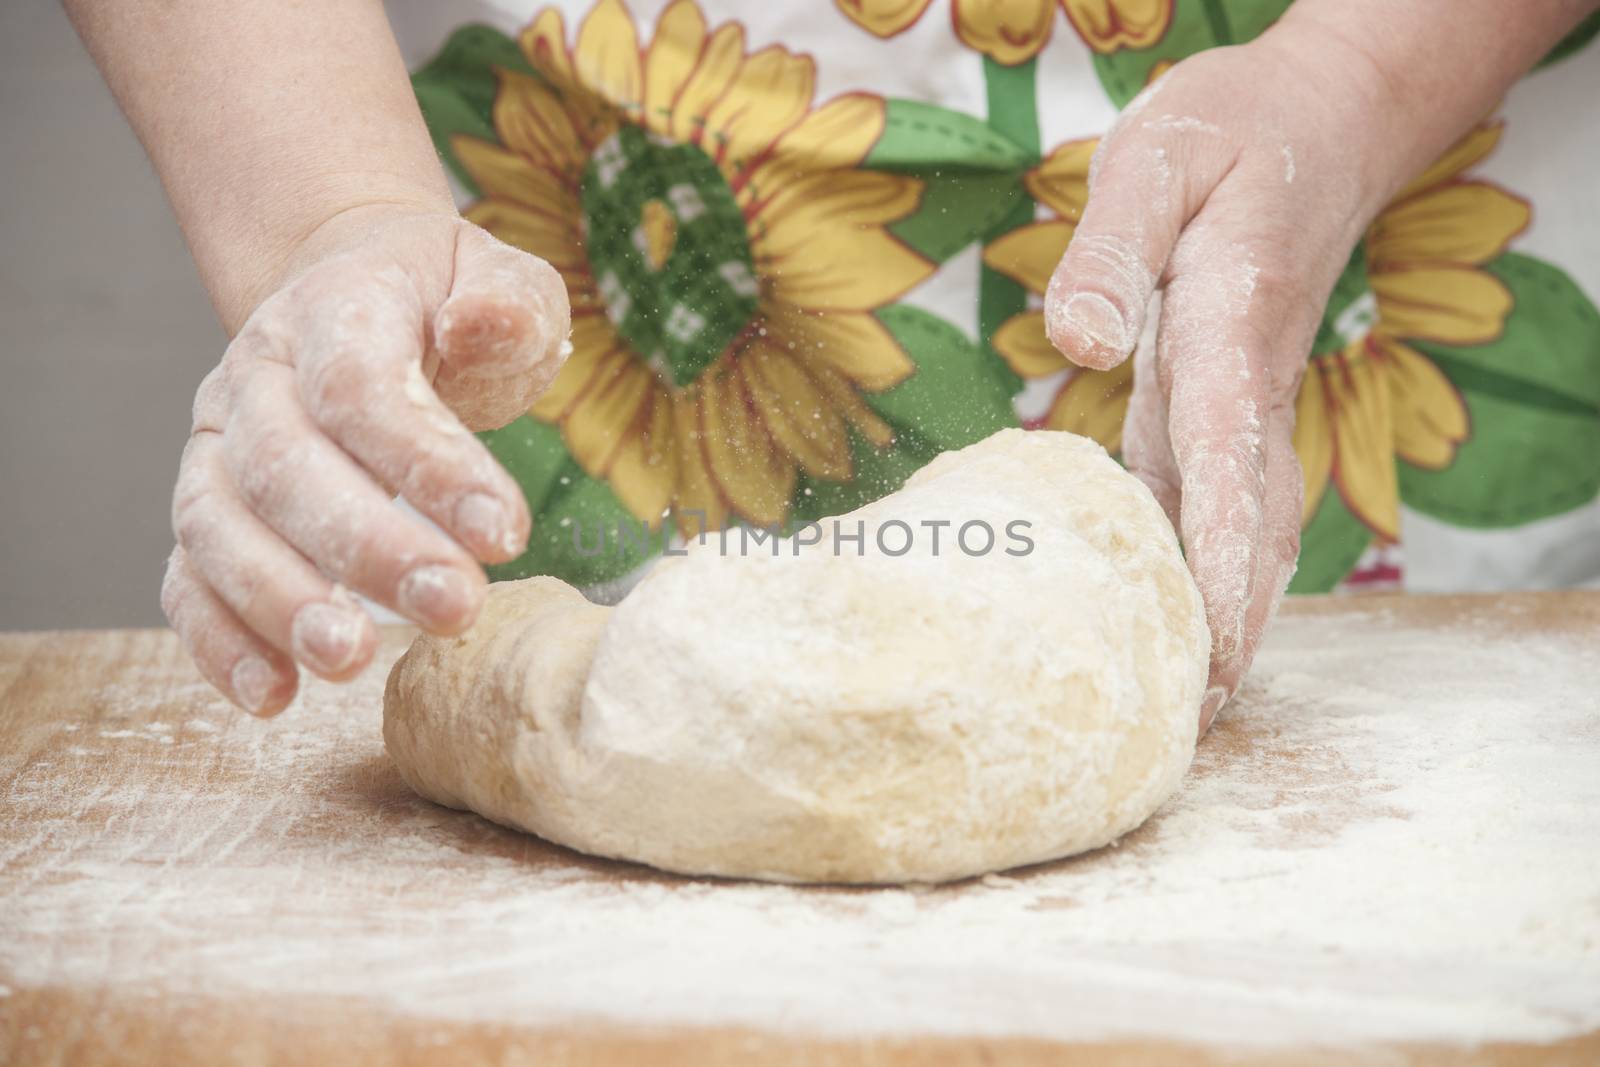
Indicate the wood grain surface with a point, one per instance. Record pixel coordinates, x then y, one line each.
182 885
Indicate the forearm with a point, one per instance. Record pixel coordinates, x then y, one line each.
1436 66
276 126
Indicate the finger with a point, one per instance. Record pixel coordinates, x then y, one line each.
268 586
317 499
359 371
1212 367
1280 547
1147 181
246 669
501 335
1146 448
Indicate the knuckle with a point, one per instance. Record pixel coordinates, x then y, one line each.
266 335
262 460
211 399
334 389
192 509
433 471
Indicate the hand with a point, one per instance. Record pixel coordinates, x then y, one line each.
358 379
1238 185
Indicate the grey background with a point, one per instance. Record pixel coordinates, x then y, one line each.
104 334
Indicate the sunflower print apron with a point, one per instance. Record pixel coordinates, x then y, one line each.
806 246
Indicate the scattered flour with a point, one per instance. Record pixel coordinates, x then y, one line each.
1388 837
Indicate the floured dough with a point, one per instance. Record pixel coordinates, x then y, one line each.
835 717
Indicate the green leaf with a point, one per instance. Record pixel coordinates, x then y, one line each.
957 209
531 452
564 500
1550 351
972 175
1196 26
877 472
582 535
456 89
1329 546
1581 35
917 136
1534 400
956 397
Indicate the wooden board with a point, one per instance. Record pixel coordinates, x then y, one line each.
1387 851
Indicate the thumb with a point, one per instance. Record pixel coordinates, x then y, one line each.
500 336
1148 179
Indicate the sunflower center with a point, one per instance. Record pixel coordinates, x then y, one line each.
669 250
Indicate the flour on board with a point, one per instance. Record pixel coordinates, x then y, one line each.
1377 843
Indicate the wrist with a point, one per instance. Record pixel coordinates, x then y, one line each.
1422 72
308 236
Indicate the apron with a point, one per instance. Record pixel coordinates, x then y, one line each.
806 246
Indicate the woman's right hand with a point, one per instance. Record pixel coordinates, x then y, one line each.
360 378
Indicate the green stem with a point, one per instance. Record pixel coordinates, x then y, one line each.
1013 111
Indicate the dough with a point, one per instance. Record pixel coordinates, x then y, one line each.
839 717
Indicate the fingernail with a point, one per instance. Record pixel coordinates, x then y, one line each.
483 523
1097 320
253 681
326 637
436 594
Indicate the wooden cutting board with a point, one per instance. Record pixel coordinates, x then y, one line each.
1387 851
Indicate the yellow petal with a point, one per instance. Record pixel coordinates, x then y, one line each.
680 34
645 469
593 344
608 412
1021 341
1061 182
848 198
822 245
695 491
756 480
582 292
509 176
1313 438
837 135
849 404
531 120
883 17
1464 154
797 413
607 55
1463 222
1007 31
1450 305
1363 438
1030 254
771 93
544 235
1107 25
852 343
1093 403
718 66
544 43
1430 418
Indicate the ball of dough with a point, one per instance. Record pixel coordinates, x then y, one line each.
824 715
